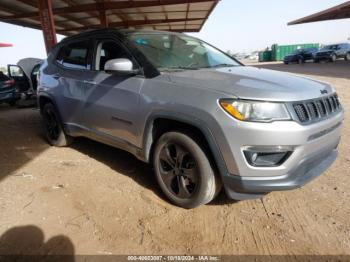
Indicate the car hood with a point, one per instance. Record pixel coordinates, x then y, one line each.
28 64
252 83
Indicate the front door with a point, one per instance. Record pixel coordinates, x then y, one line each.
112 99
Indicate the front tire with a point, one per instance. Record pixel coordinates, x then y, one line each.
12 103
183 171
333 58
53 127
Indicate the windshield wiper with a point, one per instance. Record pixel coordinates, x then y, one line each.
222 65
178 68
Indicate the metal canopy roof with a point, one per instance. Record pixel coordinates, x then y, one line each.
341 11
74 16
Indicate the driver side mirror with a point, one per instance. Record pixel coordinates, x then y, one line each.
122 66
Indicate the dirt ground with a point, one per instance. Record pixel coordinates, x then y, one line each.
94 199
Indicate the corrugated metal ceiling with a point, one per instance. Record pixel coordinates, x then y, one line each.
73 16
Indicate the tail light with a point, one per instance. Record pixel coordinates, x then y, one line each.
10 82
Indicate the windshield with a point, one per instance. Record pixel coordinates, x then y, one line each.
169 51
298 51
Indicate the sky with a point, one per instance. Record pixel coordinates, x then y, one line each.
238 26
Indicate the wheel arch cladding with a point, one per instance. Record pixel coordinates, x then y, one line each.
158 125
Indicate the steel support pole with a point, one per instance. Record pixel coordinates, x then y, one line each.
103 19
47 23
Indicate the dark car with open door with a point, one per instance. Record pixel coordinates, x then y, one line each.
8 92
25 75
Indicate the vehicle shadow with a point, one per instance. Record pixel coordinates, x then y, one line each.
222 200
339 69
27 243
20 138
120 161
126 164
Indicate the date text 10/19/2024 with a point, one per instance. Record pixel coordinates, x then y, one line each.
173 258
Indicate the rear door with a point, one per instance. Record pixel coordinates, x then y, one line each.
112 99
72 68
308 54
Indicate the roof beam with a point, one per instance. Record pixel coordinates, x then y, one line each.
209 13
104 6
33 3
130 23
341 11
133 13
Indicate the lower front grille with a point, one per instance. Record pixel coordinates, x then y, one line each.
317 109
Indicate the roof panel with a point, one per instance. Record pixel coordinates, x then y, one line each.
73 16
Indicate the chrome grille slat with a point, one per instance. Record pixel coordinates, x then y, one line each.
301 112
329 107
317 109
321 108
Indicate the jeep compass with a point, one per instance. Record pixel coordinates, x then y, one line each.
201 118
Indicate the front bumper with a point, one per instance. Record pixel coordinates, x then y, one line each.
289 59
252 187
314 150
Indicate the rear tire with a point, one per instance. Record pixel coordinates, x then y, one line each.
316 61
183 171
53 127
347 57
300 61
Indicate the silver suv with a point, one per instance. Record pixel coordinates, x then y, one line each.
199 116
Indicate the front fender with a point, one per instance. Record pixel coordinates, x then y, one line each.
189 120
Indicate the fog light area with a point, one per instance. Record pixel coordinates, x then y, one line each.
266 159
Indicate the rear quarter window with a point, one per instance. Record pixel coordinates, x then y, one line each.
75 55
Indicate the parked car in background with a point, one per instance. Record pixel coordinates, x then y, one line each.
8 92
201 117
25 75
333 52
300 55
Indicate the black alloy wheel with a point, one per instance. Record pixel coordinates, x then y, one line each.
184 171
51 124
53 127
178 170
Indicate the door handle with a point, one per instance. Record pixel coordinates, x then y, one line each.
56 76
89 82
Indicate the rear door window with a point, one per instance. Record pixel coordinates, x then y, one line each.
75 55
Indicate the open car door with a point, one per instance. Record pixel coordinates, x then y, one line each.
15 72
25 74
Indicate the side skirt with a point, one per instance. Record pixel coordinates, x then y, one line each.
81 131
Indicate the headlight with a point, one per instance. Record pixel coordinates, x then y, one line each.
255 111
